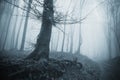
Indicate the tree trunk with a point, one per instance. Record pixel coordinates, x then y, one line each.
14 31
71 43
2 7
80 40
57 44
67 49
25 26
7 27
42 46
63 42
18 33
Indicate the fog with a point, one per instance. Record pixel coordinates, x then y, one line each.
91 33
60 39
94 43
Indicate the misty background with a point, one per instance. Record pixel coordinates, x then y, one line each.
91 34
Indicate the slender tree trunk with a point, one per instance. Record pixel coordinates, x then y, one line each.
52 44
57 44
109 46
25 26
42 46
14 31
67 49
18 33
63 39
82 2
8 27
116 30
80 39
2 7
71 44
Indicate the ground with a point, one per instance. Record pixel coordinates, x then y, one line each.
110 69
60 66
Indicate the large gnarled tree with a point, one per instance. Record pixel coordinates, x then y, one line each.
42 46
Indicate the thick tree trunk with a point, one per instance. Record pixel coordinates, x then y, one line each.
42 46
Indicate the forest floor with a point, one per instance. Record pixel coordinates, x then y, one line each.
110 69
61 66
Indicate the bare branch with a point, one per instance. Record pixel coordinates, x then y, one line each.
59 29
18 7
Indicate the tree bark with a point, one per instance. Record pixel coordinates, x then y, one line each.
42 46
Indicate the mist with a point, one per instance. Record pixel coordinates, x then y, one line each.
88 28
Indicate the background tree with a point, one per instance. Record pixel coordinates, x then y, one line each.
26 24
113 14
82 4
8 11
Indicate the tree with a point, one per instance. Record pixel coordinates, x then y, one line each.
63 42
2 6
14 31
71 42
42 46
113 15
58 37
25 25
8 25
49 18
18 33
4 36
82 4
